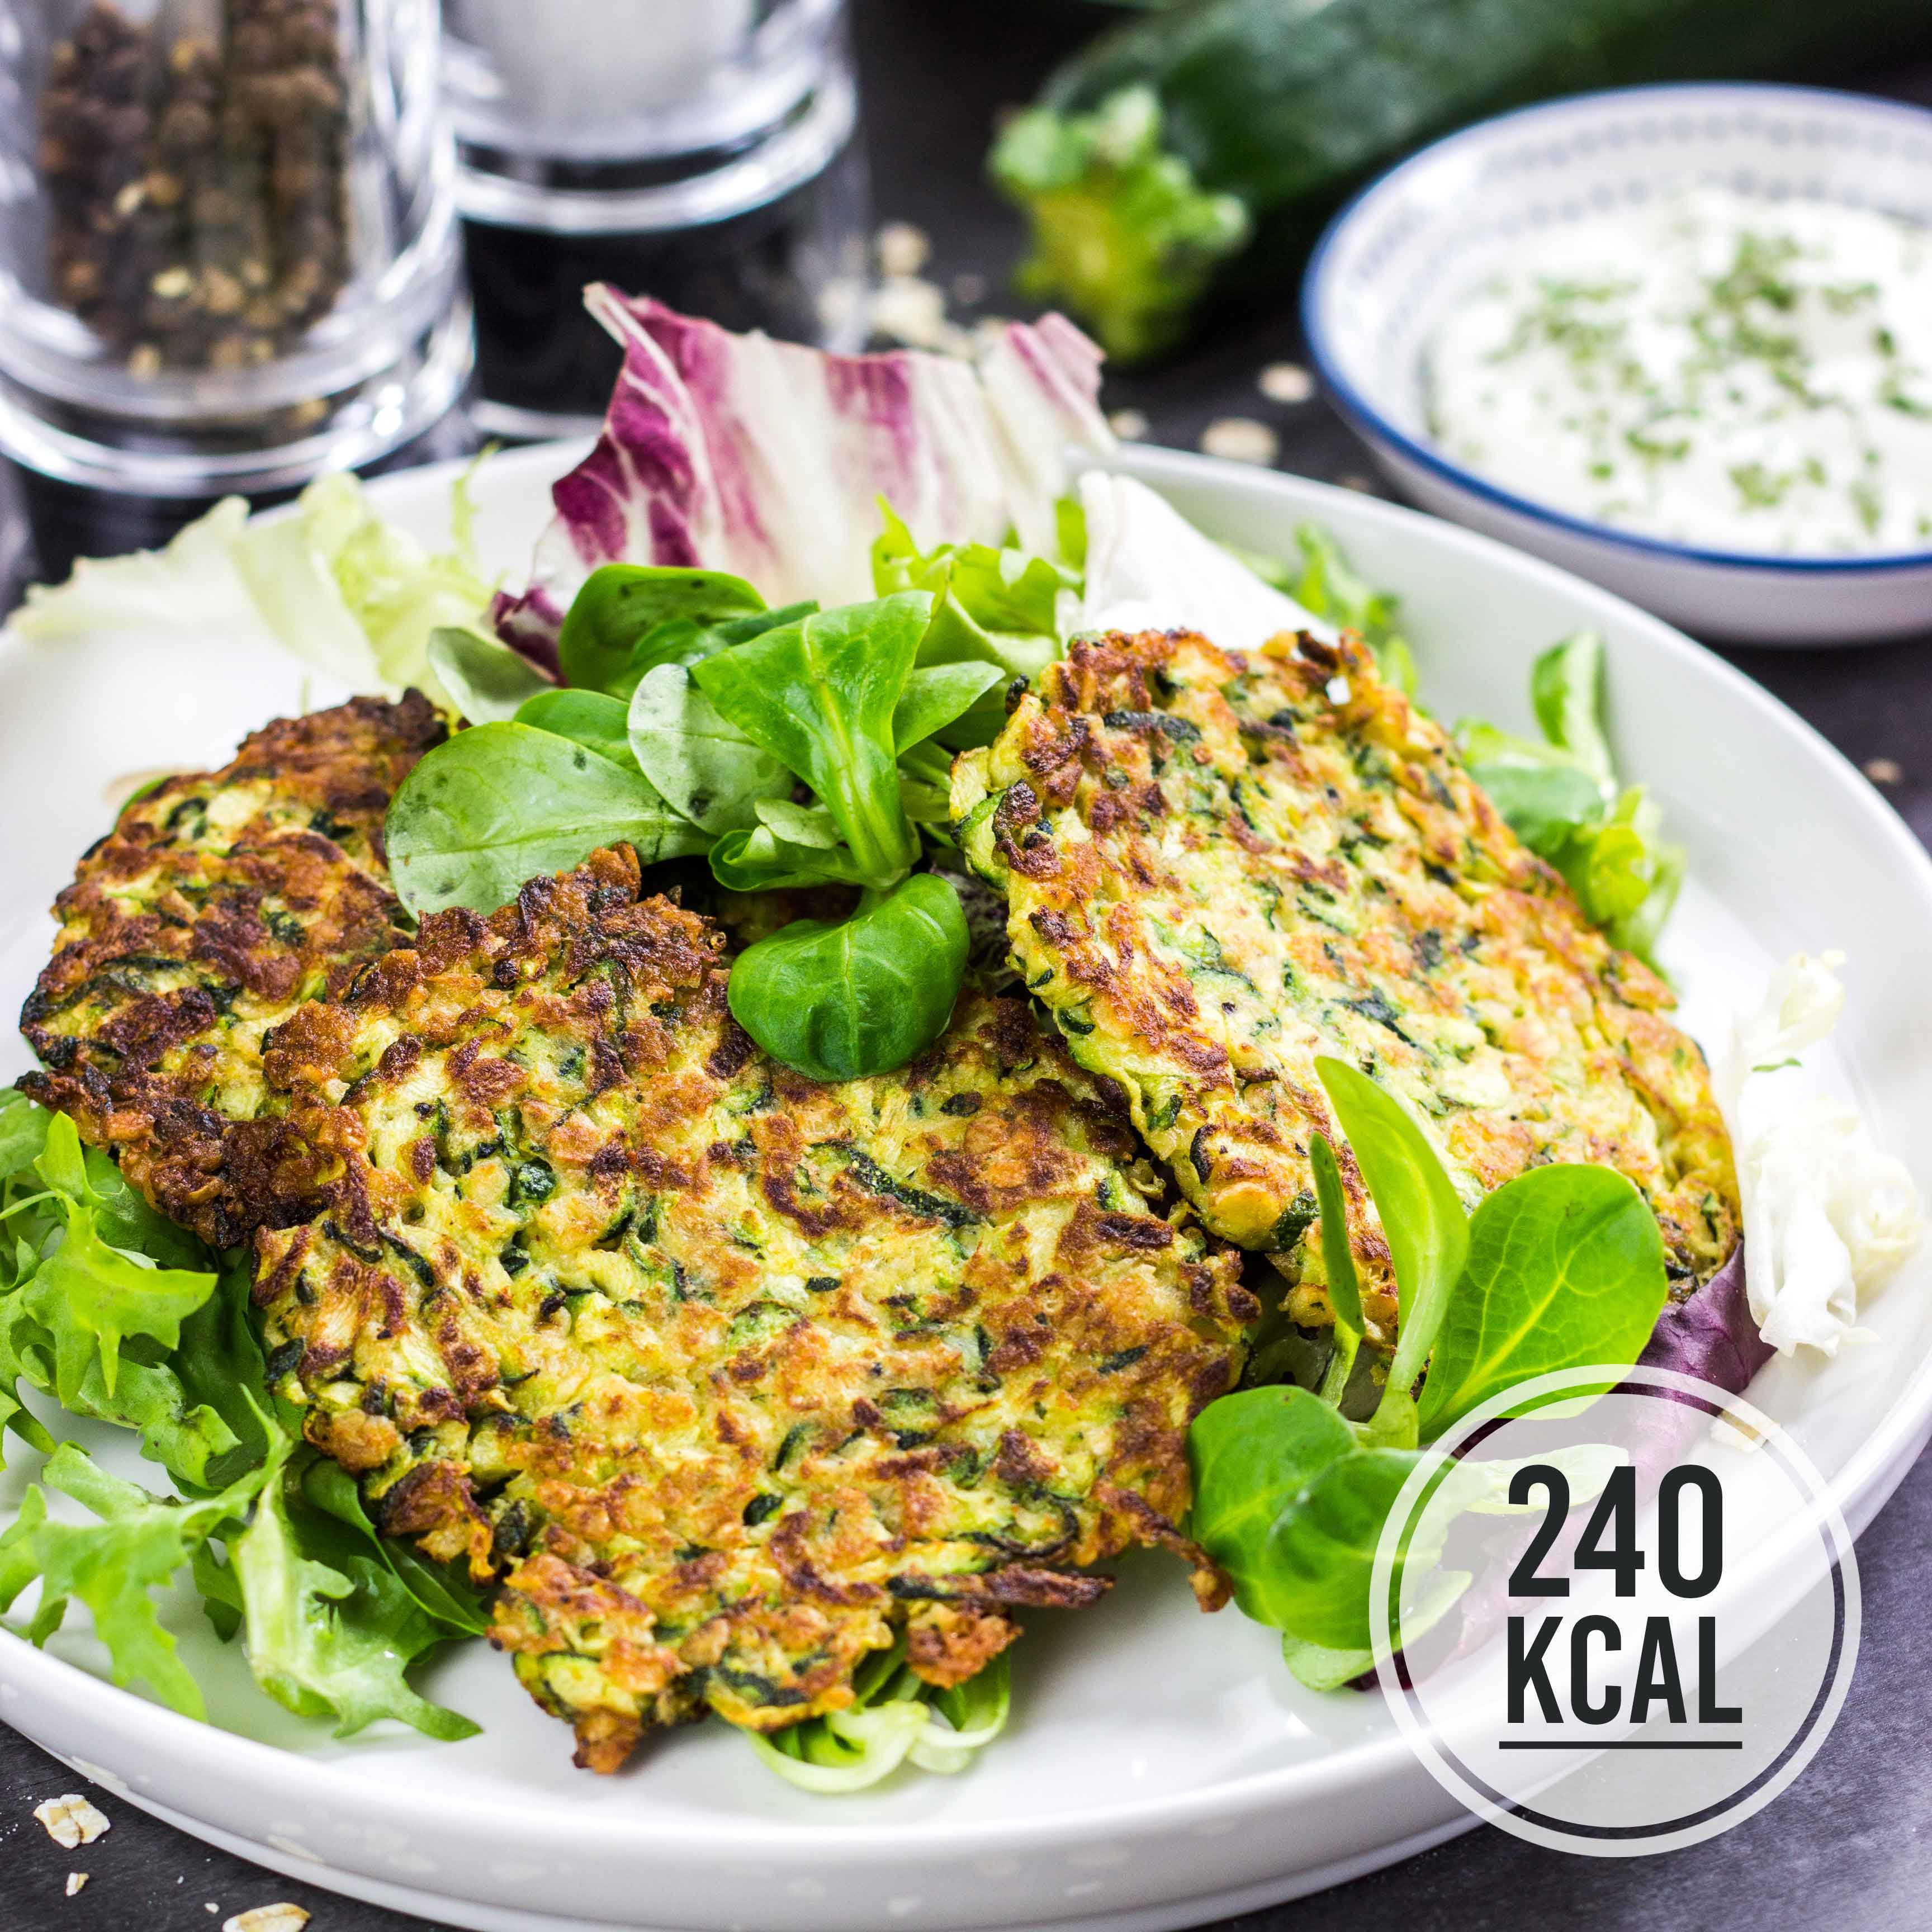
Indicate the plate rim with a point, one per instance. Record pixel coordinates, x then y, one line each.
146 1729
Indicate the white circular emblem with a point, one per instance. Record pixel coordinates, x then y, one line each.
1615 1625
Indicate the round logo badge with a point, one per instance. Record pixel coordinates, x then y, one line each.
1614 1623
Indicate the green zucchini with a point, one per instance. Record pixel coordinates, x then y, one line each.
1207 144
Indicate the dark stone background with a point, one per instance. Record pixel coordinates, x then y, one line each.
1846 1846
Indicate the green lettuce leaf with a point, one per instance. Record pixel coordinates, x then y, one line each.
991 605
328 1624
1563 800
354 597
113 1565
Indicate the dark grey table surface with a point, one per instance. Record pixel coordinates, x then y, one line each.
1851 1844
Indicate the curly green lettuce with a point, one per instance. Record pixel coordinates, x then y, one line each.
122 1317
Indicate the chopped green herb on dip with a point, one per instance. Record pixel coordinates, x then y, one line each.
1732 373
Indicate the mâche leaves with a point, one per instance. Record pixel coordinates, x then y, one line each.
1289 1502
999 607
487 681
1560 1268
819 695
760 861
704 766
1565 1268
624 607
1345 1292
504 803
842 1001
1422 1217
598 723
935 696
1252 1454
1321 1549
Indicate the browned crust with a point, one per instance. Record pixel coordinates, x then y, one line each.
1219 786
659 1542
219 901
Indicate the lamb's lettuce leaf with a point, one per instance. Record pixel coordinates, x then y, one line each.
499 804
993 605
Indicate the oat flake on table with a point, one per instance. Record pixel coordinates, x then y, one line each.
282 1918
1241 440
71 1820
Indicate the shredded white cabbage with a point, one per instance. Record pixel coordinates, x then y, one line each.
1829 1216
1149 569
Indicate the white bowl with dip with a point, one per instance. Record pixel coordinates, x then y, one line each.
1411 254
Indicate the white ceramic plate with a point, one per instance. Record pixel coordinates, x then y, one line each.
1413 243
1162 1769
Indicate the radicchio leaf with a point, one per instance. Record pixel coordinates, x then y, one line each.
1712 1335
766 458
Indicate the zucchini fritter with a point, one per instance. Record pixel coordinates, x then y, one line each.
219 902
730 1378
1218 867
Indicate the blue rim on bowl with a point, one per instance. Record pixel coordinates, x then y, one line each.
1367 419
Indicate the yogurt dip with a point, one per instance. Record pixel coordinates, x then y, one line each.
1730 373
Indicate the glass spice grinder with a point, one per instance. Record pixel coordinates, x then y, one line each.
703 151
229 258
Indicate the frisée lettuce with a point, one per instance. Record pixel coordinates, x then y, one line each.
123 1319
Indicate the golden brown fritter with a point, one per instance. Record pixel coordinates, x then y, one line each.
219 901
731 1378
1218 867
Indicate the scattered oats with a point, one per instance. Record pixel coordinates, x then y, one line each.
75 1880
1337 688
903 250
841 302
70 1820
268 1918
1366 485
1241 440
1129 425
1285 382
212 1906
1884 771
969 288
909 309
